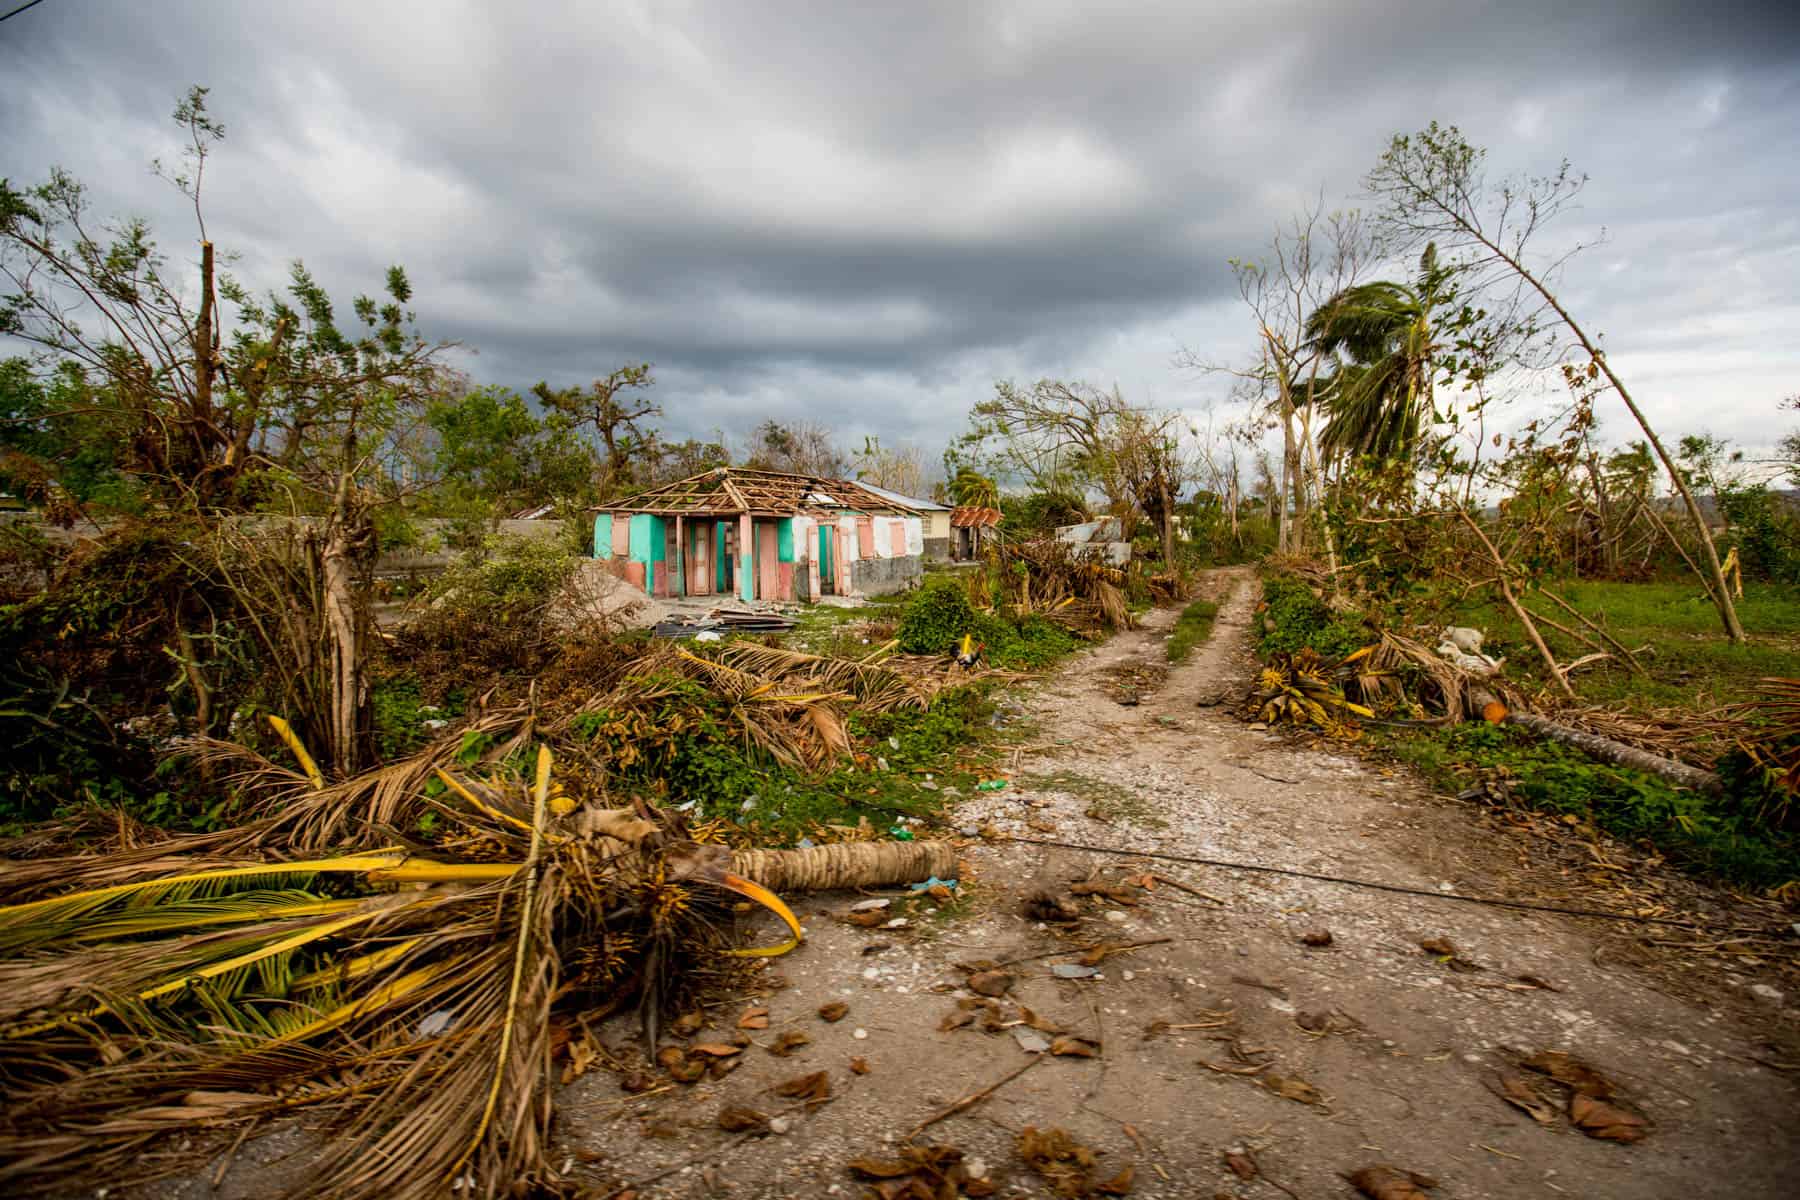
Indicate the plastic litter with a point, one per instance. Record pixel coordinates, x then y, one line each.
934 881
900 833
990 785
1073 971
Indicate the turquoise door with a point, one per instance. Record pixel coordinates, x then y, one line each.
827 569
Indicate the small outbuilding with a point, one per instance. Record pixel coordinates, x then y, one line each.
971 529
761 535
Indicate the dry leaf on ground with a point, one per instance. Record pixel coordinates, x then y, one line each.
1241 1165
1316 937
859 1066
1075 1047
1572 1072
810 1088
1381 1182
716 1049
789 1041
754 1018
742 1120
1608 1122
1517 1091
834 1011
990 983
1290 1087
1444 951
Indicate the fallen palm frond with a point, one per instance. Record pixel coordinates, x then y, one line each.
411 999
1302 688
1048 579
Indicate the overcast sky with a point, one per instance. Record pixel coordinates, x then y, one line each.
866 217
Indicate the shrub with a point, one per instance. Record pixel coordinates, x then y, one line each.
936 616
1296 619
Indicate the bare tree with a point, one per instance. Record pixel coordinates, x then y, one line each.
1311 259
1435 189
898 469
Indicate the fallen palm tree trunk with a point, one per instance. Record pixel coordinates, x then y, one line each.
846 865
409 999
1603 748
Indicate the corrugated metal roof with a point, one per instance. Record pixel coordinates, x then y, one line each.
973 517
911 502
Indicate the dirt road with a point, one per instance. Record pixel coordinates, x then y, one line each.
1306 1062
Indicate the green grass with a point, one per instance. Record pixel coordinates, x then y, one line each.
1715 836
1691 664
1192 628
1692 667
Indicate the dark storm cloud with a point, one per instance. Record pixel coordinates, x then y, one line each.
866 216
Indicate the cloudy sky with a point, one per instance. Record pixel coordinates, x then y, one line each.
865 214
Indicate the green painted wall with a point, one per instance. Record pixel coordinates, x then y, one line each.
647 545
720 559
784 540
603 536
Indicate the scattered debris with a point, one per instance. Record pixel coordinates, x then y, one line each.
1316 938
833 1011
1445 952
990 983
1067 1166
1072 971
1043 906
921 1173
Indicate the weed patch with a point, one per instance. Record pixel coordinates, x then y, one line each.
1192 628
1717 836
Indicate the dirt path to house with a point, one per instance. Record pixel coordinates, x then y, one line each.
1396 1070
1309 1062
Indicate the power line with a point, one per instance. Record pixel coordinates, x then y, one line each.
1490 901
15 12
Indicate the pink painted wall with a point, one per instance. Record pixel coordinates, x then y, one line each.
865 537
621 538
634 572
660 582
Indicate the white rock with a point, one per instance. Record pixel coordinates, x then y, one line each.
780 1124
976 1167
861 1035
1763 991
1116 916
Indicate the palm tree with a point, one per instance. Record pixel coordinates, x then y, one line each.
970 487
1380 337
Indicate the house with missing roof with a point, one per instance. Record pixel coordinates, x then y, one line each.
761 535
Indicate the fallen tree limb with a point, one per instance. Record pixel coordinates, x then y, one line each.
1606 749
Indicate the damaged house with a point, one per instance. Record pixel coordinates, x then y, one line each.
761 535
